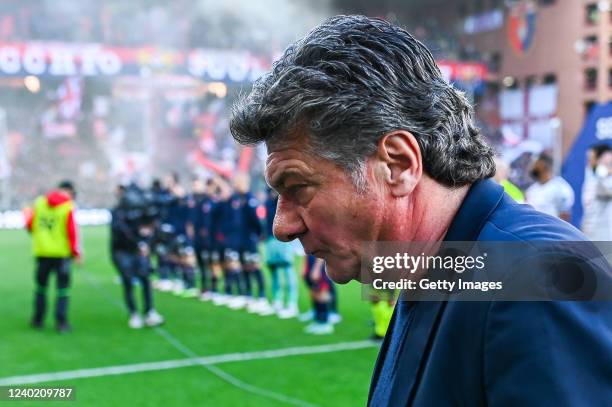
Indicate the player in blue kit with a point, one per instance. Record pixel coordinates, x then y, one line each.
183 265
162 197
319 286
243 232
223 261
204 201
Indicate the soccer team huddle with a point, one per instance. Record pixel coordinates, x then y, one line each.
207 243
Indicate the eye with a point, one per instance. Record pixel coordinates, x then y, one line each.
294 189
299 193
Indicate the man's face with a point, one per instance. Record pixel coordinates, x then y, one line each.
319 204
169 182
197 186
70 192
540 170
211 188
606 161
241 183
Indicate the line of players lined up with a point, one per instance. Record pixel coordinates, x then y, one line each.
211 236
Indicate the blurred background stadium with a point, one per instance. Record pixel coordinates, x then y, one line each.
115 92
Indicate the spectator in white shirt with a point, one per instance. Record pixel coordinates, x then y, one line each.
549 194
597 223
596 204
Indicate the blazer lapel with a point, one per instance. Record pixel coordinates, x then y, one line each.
416 346
384 347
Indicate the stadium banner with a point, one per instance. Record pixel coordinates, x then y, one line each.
66 59
597 129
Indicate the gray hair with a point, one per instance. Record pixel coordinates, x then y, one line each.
350 81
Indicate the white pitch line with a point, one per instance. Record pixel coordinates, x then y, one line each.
234 381
178 363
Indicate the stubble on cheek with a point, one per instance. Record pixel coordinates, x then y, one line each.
345 229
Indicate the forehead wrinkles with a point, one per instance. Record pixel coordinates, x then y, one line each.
280 163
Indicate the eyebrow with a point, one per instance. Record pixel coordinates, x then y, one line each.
281 179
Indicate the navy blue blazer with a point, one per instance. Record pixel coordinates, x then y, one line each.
556 353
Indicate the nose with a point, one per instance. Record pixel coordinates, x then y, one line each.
288 224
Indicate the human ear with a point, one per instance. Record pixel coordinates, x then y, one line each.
401 157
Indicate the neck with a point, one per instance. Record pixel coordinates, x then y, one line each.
427 213
545 178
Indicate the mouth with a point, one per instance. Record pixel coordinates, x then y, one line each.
314 252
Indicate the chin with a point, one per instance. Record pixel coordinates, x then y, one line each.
341 273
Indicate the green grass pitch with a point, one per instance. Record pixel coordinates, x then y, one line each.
101 338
